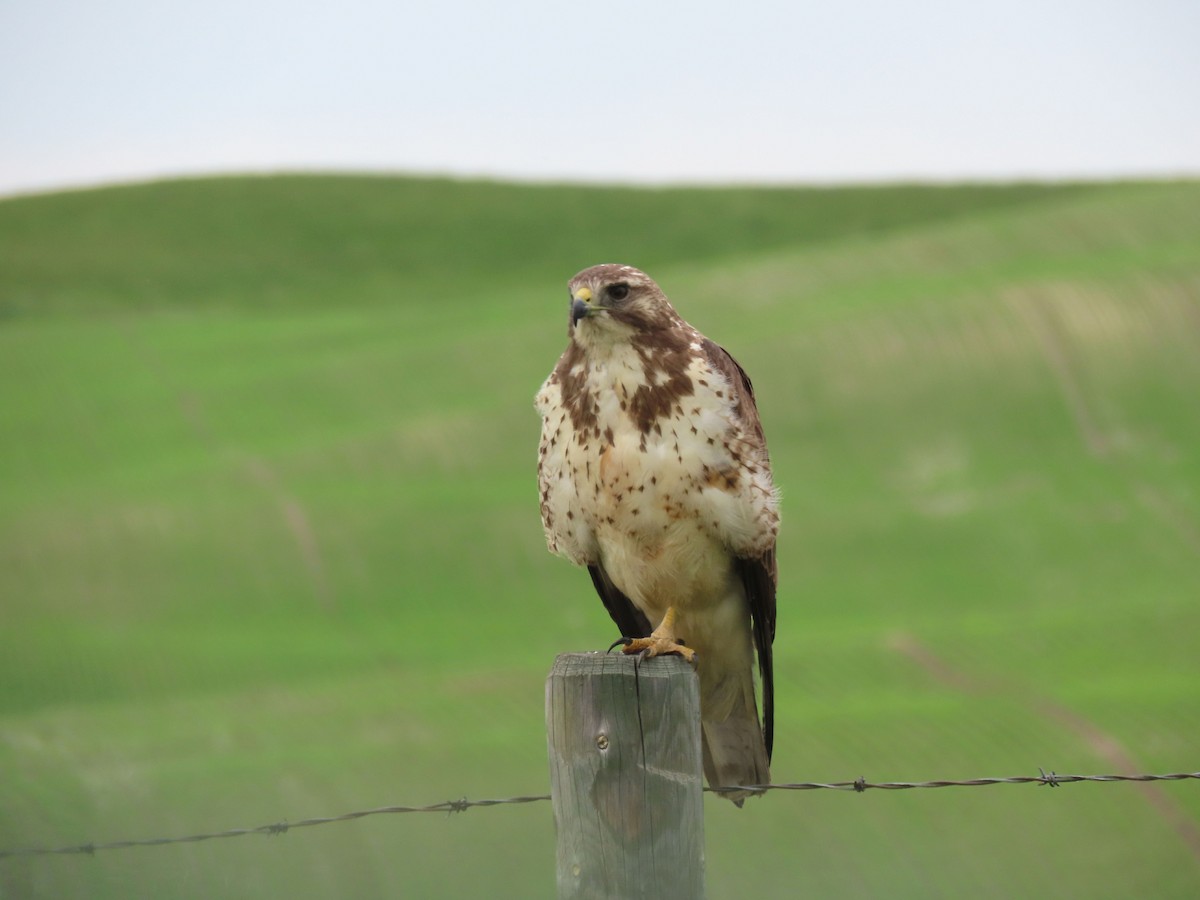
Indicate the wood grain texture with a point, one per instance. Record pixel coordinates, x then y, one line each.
625 771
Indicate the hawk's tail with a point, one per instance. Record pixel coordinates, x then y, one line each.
732 740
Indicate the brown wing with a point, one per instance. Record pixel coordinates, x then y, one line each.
720 359
630 620
760 576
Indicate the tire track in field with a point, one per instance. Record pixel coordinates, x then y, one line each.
1053 339
1054 348
1105 745
254 468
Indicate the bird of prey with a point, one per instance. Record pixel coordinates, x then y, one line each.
654 474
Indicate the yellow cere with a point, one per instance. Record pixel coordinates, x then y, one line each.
584 294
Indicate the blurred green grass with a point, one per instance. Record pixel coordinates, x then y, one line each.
269 545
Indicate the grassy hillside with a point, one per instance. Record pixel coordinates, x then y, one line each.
283 243
269 544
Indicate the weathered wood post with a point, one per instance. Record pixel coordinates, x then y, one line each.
625 776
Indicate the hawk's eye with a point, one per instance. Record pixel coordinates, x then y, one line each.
619 291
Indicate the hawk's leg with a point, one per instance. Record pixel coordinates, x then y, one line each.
661 641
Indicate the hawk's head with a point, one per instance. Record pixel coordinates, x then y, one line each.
610 303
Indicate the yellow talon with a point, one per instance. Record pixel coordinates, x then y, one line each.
660 642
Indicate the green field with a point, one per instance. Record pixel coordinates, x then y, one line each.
270 549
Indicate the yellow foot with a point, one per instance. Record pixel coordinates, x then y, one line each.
662 641
652 646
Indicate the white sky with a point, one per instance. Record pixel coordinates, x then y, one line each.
629 91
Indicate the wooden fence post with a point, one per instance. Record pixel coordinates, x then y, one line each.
625 776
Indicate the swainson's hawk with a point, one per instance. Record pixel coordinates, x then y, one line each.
654 474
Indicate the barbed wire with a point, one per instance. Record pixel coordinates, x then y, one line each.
277 828
859 785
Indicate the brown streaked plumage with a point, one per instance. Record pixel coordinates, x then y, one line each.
654 474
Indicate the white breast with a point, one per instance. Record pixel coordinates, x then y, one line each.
665 511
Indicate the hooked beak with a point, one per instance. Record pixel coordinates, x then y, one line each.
579 310
581 305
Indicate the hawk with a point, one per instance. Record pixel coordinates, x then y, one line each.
654 474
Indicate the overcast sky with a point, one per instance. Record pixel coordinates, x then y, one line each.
628 91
